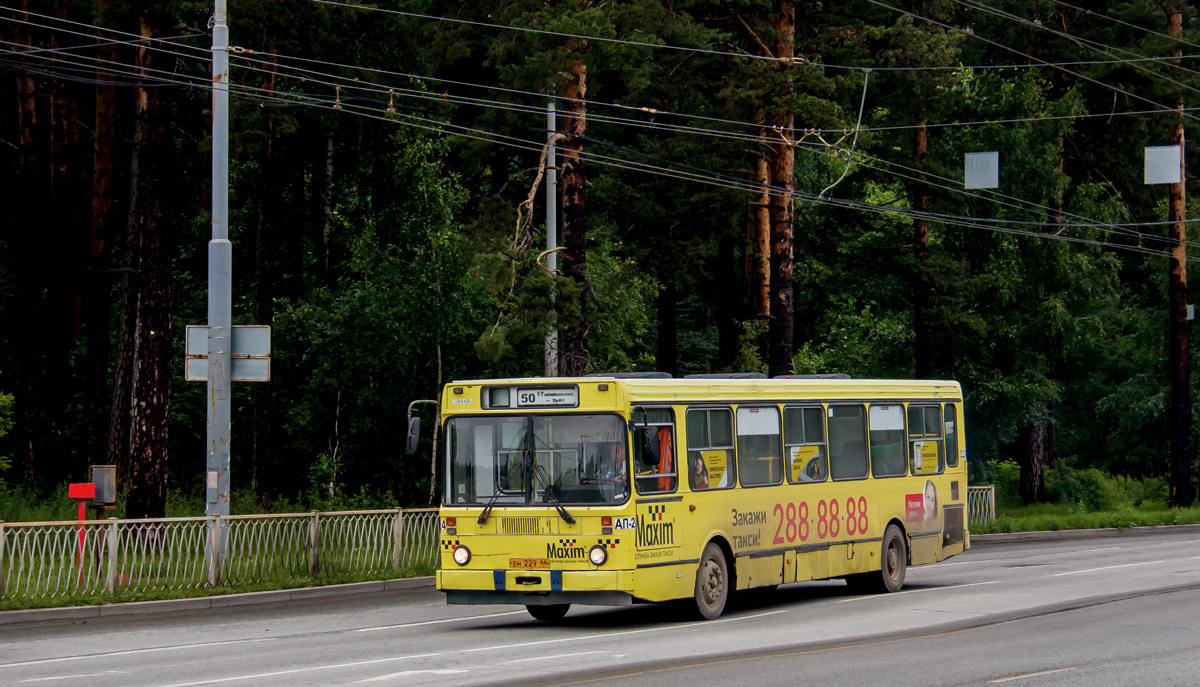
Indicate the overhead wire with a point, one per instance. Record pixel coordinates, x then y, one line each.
742 184
1040 61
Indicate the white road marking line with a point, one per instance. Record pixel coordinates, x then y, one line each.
688 626
129 652
1107 567
435 622
68 677
406 673
1022 677
353 664
293 671
1069 553
947 565
914 591
547 658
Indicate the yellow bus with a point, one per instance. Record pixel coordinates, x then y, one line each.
637 487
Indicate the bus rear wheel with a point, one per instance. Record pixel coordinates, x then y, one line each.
548 613
893 566
712 583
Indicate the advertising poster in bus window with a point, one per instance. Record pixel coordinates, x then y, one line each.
925 457
715 461
801 455
923 511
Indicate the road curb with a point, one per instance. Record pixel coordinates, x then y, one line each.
1060 535
35 615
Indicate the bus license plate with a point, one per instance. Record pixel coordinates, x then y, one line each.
537 563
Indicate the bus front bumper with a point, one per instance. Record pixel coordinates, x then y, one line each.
537 587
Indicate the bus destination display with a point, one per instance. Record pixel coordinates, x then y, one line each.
562 396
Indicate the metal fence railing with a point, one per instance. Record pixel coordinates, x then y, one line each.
981 504
52 559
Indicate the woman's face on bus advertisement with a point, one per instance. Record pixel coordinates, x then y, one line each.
931 504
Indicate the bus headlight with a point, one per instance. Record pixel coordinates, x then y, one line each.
598 555
462 555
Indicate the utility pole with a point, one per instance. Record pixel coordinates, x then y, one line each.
1180 401
551 367
220 283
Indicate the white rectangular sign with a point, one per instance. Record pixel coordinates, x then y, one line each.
561 396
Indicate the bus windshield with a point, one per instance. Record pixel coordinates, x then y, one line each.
512 460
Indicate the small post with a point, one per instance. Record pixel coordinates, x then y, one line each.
214 561
397 537
110 579
314 544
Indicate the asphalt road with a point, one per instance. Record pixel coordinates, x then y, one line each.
1109 611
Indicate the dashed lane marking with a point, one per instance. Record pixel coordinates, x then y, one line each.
547 658
1107 567
1026 675
436 622
915 591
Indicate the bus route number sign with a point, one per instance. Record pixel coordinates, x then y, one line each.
561 396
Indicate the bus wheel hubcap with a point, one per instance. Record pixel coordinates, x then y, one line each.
893 561
713 583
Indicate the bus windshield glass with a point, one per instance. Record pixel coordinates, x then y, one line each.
512 460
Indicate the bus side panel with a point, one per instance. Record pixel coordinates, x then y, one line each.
812 565
666 582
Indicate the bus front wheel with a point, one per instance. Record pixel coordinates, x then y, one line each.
712 582
548 613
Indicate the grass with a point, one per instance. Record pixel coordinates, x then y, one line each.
1060 516
234 588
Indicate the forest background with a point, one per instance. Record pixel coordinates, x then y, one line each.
739 193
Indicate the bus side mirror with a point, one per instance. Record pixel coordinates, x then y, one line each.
414 434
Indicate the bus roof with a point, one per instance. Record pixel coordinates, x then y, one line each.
709 389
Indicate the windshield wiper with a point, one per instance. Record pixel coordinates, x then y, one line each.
562 512
487 509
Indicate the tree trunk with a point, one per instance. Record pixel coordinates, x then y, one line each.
148 464
327 203
95 299
667 358
1032 460
760 249
923 296
32 182
782 202
572 355
264 300
1180 401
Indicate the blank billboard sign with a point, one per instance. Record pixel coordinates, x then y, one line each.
983 170
1163 165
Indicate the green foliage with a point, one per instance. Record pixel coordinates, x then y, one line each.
1060 517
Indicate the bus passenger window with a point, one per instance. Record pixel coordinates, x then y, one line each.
759 449
847 442
804 444
951 436
925 435
654 450
710 449
887 440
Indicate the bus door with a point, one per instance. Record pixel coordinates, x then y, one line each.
658 533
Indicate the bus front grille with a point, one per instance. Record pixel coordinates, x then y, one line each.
525 525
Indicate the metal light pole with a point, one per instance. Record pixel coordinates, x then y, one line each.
551 238
220 282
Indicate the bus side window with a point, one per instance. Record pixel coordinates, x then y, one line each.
804 444
925 436
759 446
847 442
887 440
654 451
951 415
710 448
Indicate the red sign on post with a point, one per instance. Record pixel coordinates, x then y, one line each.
83 490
